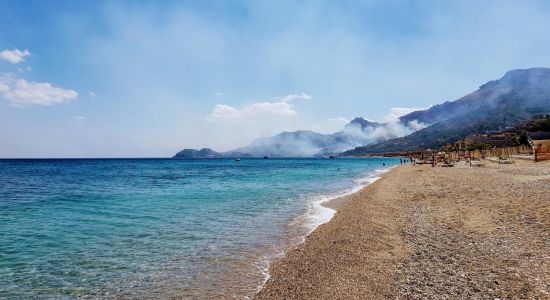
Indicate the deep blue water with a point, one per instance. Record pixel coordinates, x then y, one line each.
158 228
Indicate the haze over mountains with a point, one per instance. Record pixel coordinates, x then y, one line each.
495 106
498 104
306 143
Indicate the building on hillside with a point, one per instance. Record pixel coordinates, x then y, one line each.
541 116
505 139
540 141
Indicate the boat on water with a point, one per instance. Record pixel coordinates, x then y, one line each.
237 159
332 156
265 157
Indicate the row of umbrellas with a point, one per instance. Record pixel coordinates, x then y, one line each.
505 152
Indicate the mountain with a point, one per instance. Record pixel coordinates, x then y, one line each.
207 153
496 105
300 143
305 143
362 123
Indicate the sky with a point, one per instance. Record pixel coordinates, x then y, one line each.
149 78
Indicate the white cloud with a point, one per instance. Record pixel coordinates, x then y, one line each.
233 126
14 56
252 112
292 97
224 112
257 111
80 118
218 94
91 93
23 93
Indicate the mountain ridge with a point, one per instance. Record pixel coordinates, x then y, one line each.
498 104
302 143
514 98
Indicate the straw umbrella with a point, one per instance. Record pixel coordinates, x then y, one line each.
477 154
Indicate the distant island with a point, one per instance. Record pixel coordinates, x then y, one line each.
208 153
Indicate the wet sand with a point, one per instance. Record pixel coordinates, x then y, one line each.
429 233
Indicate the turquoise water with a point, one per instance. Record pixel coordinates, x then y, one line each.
159 228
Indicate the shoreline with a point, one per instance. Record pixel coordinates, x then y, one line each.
335 201
415 232
310 220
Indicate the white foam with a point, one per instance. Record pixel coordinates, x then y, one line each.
318 214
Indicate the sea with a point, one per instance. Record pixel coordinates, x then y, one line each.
161 228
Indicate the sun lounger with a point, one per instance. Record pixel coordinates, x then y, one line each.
478 164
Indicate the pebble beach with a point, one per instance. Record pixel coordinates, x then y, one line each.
423 232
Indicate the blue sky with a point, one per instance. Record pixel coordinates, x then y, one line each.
148 78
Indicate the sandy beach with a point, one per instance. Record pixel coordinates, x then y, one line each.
421 232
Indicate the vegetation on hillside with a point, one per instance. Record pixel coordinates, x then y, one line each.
497 106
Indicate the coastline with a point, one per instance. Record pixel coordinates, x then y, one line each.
321 212
428 232
326 207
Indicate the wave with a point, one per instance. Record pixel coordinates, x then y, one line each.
316 214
